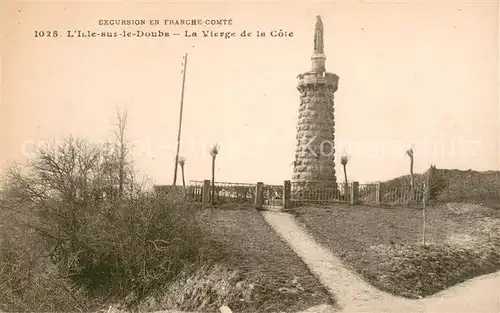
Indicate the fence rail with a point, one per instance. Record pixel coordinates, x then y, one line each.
234 193
368 193
303 193
404 195
225 192
218 183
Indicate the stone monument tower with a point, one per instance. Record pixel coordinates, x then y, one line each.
314 165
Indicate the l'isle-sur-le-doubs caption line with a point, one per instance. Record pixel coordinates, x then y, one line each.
160 34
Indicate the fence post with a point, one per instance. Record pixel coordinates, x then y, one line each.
354 192
286 195
205 191
383 193
380 193
259 195
347 195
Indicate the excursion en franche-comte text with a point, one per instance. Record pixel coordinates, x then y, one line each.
162 30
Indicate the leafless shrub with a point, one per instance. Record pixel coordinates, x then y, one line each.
87 230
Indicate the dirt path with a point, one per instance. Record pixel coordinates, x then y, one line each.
478 295
355 295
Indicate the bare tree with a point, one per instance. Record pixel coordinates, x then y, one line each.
63 201
409 152
182 162
58 188
122 149
343 160
78 232
434 183
47 200
213 152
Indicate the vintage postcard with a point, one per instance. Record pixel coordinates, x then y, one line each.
268 157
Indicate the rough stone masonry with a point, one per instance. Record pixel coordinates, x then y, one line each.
314 165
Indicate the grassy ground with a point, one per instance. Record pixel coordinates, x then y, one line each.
283 283
384 244
254 271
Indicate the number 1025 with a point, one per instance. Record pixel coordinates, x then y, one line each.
47 33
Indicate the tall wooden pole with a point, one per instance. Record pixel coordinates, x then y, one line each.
180 120
423 213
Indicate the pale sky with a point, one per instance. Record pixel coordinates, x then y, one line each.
421 74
